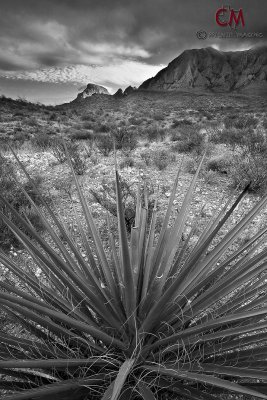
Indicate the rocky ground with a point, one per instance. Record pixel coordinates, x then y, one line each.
154 119
142 114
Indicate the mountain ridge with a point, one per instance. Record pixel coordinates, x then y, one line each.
212 70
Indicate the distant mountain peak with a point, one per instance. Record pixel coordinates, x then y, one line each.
91 89
209 69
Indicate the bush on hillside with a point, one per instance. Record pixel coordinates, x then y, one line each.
125 140
105 144
58 150
162 158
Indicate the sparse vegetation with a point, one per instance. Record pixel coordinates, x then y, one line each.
15 197
154 133
127 162
105 144
41 142
146 157
58 150
220 164
125 140
162 158
188 139
247 151
151 141
181 122
82 134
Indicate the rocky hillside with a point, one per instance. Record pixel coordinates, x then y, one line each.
90 90
213 70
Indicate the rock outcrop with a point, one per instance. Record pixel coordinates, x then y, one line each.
119 93
213 70
92 89
126 92
129 90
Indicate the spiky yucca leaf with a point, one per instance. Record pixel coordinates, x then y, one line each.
154 315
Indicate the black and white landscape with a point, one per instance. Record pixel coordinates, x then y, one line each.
133 201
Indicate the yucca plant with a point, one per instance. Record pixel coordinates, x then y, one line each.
154 317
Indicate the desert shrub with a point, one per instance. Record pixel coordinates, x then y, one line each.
5 142
129 143
64 184
94 159
210 167
125 140
158 116
162 133
19 113
154 133
219 164
105 144
18 128
102 128
41 142
146 157
32 122
15 197
53 116
249 152
78 162
240 122
51 131
183 147
89 147
254 142
188 146
57 148
162 158
207 114
21 137
121 122
127 162
88 117
232 137
175 135
135 121
249 170
191 165
81 134
188 139
150 317
89 125
210 177
180 122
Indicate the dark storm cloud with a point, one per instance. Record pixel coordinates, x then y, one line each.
46 33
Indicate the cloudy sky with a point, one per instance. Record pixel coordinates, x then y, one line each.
50 49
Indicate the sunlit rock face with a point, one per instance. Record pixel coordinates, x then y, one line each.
92 89
212 70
